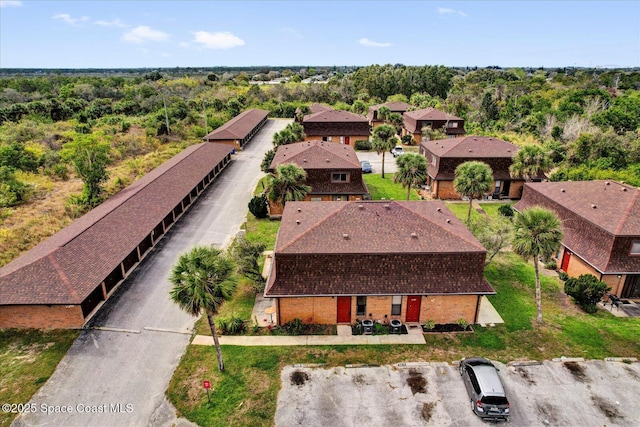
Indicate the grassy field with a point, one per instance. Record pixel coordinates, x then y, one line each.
386 188
27 360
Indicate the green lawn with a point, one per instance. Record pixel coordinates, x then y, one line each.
492 208
386 188
27 360
460 210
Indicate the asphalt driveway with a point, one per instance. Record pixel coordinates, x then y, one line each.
117 375
552 393
376 161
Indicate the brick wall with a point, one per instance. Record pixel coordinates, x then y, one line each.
612 280
41 316
515 191
446 190
577 267
320 310
335 137
448 308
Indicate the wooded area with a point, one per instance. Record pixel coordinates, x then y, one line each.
69 140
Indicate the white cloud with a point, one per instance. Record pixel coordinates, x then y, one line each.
371 43
114 23
447 11
142 34
69 19
10 3
220 40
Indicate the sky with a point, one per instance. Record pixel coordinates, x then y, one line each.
153 34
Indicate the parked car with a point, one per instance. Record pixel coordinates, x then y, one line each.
488 399
366 166
397 150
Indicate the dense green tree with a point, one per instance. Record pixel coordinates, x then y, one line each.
16 156
384 139
473 179
246 255
266 161
531 161
412 171
90 158
586 290
287 184
493 234
537 234
202 280
489 110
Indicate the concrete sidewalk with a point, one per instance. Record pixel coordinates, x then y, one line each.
414 336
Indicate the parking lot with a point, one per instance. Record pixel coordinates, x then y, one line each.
592 393
376 161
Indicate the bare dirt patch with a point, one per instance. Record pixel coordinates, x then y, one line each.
360 379
427 410
633 374
548 413
607 408
299 378
417 382
576 370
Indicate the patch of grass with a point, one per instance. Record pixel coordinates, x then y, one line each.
27 360
460 209
262 230
492 208
385 188
262 184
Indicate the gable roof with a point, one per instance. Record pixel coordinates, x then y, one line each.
413 118
68 266
394 107
471 147
334 116
316 108
617 206
317 155
239 126
373 227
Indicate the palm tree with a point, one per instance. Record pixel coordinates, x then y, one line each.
473 179
384 139
383 113
537 233
202 280
530 162
287 184
412 171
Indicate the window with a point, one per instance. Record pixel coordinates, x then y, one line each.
635 248
330 138
361 306
316 199
342 140
433 160
339 177
396 305
497 190
324 138
339 198
452 125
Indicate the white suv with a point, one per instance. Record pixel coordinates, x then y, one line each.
397 151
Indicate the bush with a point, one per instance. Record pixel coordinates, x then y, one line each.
563 276
586 290
429 325
550 265
258 207
294 327
380 329
506 211
408 139
362 144
462 323
233 326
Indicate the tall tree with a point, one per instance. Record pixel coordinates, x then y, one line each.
287 184
530 162
384 139
473 179
202 280
412 171
90 158
537 233
383 113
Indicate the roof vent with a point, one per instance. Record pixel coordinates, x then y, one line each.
593 206
448 221
439 209
490 139
508 150
475 139
304 160
360 207
345 236
470 150
387 207
624 189
327 160
607 183
414 235
298 221
562 190
286 148
299 210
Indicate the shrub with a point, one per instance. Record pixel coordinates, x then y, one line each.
258 207
362 144
550 265
462 323
408 139
429 325
294 327
233 326
586 290
506 211
563 276
380 329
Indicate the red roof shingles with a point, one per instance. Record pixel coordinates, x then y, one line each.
238 127
380 247
599 218
317 155
334 116
413 118
394 107
66 267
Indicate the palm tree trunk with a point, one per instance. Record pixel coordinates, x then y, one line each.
538 293
469 210
408 191
212 325
383 165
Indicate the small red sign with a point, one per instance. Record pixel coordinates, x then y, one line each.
206 384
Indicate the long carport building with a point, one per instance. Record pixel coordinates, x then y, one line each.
239 130
62 281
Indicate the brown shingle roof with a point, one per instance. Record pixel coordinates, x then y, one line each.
394 107
238 127
317 155
600 219
375 247
334 116
66 267
471 146
316 108
412 118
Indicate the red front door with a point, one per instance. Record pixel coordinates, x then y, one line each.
413 309
565 260
344 309
346 140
